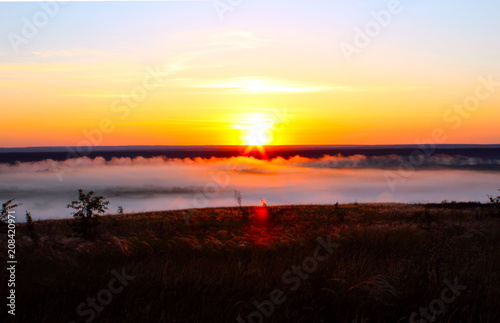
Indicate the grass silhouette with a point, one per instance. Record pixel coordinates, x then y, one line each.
392 259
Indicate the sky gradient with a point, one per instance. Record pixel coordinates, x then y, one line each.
175 73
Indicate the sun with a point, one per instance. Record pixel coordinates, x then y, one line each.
256 129
256 132
258 135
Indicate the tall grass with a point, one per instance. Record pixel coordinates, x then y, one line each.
392 260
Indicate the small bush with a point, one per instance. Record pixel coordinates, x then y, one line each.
494 200
6 207
88 207
32 229
243 211
339 213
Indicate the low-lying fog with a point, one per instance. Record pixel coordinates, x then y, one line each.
45 188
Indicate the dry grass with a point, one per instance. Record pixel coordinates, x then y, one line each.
392 260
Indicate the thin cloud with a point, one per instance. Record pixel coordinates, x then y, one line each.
63 53
255 84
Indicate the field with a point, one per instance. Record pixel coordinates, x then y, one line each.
308 263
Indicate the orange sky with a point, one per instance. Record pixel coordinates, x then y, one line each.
212 83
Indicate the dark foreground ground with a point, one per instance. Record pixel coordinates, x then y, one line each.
350 263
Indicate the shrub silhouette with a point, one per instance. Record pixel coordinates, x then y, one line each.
339 213
32 230
243 211
494 200
4 212
88 207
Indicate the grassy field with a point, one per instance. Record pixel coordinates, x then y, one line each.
310 263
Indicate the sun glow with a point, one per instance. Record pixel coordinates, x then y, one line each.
256 130
259 135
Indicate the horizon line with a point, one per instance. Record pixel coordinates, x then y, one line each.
229 146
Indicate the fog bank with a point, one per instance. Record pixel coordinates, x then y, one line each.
147 184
